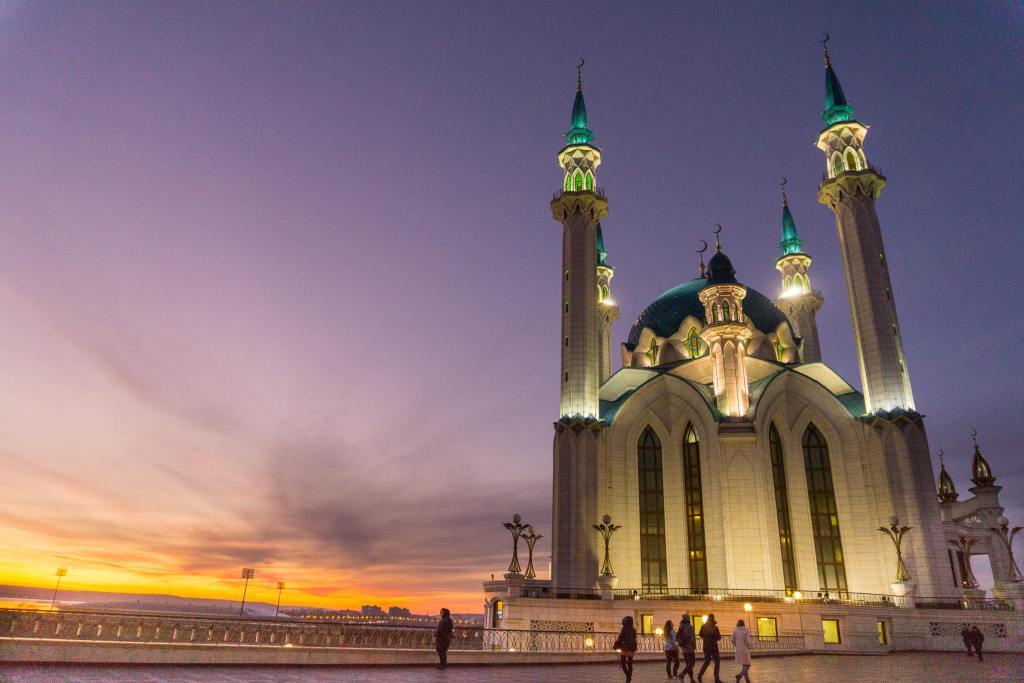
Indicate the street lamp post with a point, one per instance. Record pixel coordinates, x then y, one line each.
1006 535
516 528
60 574
280 588
531 539
247 573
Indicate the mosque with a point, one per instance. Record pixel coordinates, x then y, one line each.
725 458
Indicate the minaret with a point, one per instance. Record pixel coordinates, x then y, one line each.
850 187
608 310
579 207
981 472
726 334
798 301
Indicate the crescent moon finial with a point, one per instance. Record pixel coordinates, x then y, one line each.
718 242
782 185
701 251
579 74
974 432
824 47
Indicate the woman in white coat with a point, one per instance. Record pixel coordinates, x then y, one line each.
742 641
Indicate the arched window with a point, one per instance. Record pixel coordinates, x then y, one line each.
851 160
605 295
837 165
590 181
694 511
726 311
497 612
787 284
568 182
782 510
693 343
828 547
652 352
715 316
577 181
653 562
863 160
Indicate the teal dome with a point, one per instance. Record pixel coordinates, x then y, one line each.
667 312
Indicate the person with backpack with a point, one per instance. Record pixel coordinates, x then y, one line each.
668 640
709 636
626 646
687 640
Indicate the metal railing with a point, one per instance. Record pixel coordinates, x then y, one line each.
599 191
993 604
871 167
71 625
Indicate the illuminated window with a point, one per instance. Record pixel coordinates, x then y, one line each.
590 181
653 562
577 181
883 632
726 311
863 160
568 182
715 317
693 343
837 165
646 623
694 510
787 284
567 276
767 628
828 546
652 352
498 612
782 510
851 160
605 295
830 629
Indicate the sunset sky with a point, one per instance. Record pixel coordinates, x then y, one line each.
279 284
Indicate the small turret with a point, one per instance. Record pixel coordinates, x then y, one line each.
981 472
798 301
947 491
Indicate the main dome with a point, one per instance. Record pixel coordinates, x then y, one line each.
666 313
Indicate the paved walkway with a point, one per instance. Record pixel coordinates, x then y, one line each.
844 669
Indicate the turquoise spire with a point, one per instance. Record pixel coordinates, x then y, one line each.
579 133
602 255
791 242
836 107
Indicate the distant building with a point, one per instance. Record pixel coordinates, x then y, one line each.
399 612
371 611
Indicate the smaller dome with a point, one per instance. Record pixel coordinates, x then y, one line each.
720 270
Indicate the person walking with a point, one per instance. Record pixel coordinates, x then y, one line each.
668 640
443 637
742 642
968 640
626 646
687 640
709 636
977 638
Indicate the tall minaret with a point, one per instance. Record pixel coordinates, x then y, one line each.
850 188
578 208
798 301
726 334
608 310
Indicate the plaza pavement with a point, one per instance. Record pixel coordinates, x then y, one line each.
921 666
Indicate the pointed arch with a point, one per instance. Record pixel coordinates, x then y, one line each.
851 160
653 558
782 509
577 181
695 523
828 546
726 311
589 181
715 316
837 164
863 159
568 182
787 284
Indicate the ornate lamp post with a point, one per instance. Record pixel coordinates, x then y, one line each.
1006 535
247 574
516 528
280 588
531 539
606 529
896 534
60 574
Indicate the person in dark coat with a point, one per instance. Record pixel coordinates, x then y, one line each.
687 647
443 637
968 640
710 635
671 646
626 645
977 638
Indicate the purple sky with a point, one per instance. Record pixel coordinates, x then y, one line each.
279 282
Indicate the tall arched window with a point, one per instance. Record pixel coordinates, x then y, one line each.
851 160
715 317
590 181
568 182
787 284
782 510
828 545
693 343
726 311
837 165
577 181
694 511
653 564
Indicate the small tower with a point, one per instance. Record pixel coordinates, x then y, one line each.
726 334
608 310
849 187
981 473
579 207
798 301
947 491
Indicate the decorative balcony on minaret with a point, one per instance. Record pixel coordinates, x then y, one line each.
798 300
849 187
726 335
608 310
